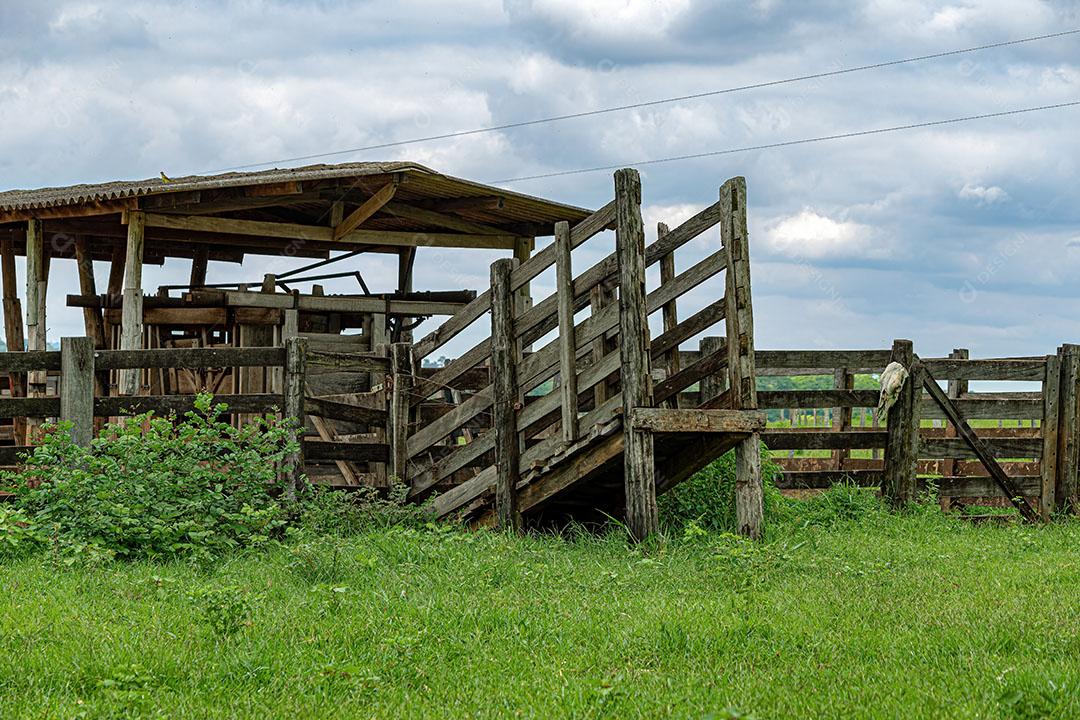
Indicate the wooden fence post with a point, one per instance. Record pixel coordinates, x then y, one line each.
505 388
636 377
902 433
564 282
13 330
37 278
843 379
670 311
77 387
712 385
1068 428
1048 463
401 379
296 350
749 494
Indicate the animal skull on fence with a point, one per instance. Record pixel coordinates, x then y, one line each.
892 380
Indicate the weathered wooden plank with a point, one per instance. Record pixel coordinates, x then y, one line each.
823 439
352 361
636 376
320 450
162 405
1008 369
697 323
782 399
401 382
28 361
670 420
426 436
824 359
691 374
192 358
345 412
987 409
323 234
998 447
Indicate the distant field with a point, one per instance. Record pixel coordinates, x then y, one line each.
891 617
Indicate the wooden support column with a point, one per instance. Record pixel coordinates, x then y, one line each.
406 262
669 311
401 366
1068 429
199 263
635 372
564 284
600 296
380 344
131 331
902 433
77 387
504 360
742 384
37 273
296 351
13 330
1048 463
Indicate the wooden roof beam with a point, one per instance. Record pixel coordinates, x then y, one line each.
373 204
440 220
325 235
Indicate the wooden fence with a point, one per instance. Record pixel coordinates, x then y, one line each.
823 436
77 363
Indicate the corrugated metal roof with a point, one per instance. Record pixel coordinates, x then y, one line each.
24 200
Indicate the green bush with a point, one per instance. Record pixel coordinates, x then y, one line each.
707 500
155 487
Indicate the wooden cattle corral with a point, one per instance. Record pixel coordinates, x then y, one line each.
577 406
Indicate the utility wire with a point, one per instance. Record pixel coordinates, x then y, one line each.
787 143
661 101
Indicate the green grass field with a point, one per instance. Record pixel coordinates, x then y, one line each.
880 616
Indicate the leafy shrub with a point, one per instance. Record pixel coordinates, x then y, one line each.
17 535
843 502
226 608
154 487
332 512
706 501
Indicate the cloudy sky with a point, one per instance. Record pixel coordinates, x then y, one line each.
956 236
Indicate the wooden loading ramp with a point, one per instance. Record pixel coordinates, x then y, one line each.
550 430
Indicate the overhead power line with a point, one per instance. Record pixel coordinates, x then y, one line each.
788 143
653 103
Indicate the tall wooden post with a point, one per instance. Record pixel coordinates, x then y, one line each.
37 274
131 330
296 351
199 263
1068 428
401 379
504 360
902 433
636 377
77 387
954 390
669 311
1048 463
406 262
841 416
749 510
564 283
14 336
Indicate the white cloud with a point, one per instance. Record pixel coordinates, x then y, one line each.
982 195
810 235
